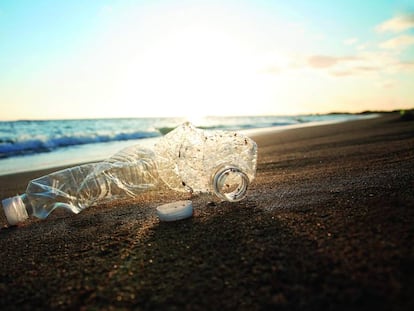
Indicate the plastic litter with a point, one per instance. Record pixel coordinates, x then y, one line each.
186 159
175 210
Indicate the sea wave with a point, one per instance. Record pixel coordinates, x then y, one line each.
22 146
20 138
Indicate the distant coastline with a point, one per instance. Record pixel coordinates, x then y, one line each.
33 145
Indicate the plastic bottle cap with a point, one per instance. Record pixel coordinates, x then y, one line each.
14 210
175 210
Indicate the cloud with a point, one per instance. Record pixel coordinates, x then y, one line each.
350 41
341 66
354 70
388 84
364 63
342 73
397 24
398 42
362 47
322 61
405 66
272 70
326 61
367 68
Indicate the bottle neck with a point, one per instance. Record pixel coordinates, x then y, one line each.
27 203
230 183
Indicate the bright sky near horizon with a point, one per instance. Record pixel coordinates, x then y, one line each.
119 58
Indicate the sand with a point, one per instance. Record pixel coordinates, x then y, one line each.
327 224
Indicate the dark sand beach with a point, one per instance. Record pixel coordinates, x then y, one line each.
328 224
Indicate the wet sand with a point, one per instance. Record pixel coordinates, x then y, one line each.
327 224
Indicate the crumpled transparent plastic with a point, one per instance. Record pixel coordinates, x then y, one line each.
186 159
190 158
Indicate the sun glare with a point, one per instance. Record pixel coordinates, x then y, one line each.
194 71
200 58
196 118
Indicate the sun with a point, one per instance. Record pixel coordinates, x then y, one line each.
193 71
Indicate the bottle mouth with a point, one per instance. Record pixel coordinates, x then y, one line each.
230 183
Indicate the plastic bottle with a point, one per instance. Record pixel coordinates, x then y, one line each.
186 159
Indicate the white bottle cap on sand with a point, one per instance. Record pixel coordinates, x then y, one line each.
14 210
175 210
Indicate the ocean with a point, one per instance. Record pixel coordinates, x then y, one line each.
28 145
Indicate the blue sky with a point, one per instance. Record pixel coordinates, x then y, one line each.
86 59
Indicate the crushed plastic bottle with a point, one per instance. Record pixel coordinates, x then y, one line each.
187 159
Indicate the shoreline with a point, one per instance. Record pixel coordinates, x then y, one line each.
327 224
76 155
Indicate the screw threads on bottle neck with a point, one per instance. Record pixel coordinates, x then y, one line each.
230 183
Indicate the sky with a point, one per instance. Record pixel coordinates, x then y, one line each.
101 59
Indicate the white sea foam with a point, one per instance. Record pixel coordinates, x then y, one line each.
32 145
